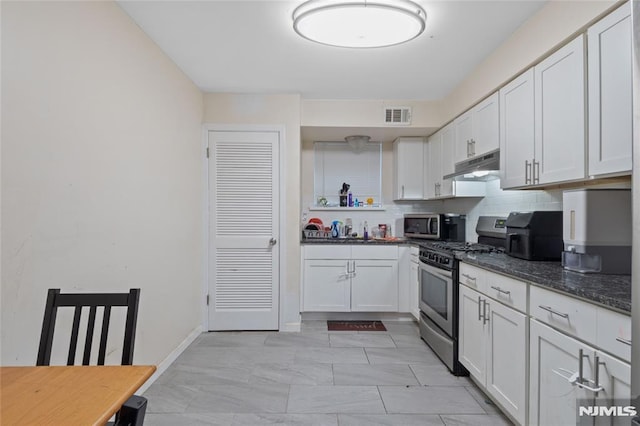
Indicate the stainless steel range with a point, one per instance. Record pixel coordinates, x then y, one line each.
438 274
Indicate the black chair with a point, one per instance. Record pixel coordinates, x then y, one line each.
133 410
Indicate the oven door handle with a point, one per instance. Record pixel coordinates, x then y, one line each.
435 271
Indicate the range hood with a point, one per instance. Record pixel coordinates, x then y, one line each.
475 168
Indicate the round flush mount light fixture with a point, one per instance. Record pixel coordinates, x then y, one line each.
359 24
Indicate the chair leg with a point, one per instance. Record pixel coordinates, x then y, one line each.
132 412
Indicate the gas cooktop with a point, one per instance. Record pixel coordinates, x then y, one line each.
442 253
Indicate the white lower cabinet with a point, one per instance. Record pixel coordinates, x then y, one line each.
339 279
374 286
493 347
555 372
327 286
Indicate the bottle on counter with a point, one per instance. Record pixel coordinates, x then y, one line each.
350 199
365 231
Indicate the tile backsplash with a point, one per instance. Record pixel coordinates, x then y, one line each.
496 203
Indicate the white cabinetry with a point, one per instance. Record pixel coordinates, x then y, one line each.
344 278
610 92
516 131
438 161
408 154
542 115
571 346
476 131
493 336
560 113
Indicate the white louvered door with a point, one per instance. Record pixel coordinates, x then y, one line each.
243 230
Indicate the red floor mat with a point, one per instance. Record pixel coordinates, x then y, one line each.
355 326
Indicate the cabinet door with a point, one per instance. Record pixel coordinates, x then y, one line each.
615 379
409 165
374 286
552 399
507 346
485 136
610 92
326 286
472 339
516 131
464 132
448 145
415 289
560 113
433 170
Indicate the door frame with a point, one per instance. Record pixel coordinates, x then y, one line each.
282 173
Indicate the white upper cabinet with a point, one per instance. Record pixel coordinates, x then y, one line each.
433 166
516 131
559 115
610 93
408 154
476 131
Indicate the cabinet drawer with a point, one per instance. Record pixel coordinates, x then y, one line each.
328 251
370 252
614 333
565 313
472 277
506 290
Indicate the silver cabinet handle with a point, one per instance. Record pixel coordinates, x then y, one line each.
499 290
473 147
469 277
582 382
485 317
402 191
625 341
354 269
536 171
479 310
554 312
527 172
468 148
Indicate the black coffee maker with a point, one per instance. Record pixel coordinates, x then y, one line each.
535 235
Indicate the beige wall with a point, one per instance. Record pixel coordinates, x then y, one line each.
555 22
269 110
101 177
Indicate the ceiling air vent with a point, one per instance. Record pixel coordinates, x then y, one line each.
397 115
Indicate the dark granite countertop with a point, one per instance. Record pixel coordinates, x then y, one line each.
375 241
613 291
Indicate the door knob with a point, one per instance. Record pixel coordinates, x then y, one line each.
273 241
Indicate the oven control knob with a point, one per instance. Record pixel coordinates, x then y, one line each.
446 261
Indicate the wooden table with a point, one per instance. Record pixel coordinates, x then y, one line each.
69 395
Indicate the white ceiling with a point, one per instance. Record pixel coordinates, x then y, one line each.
250 47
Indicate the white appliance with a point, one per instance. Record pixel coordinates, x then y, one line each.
596 230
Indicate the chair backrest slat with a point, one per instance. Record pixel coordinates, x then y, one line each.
73 344
103 335
88 341
92 300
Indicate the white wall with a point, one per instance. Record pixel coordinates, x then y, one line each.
555 22
101 175
240 109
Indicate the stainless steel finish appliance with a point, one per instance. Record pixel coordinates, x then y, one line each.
489 162
596 224
438 292
434 226
534 235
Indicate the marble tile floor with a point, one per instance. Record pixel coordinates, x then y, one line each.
316 377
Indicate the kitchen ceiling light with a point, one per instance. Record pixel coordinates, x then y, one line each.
359 24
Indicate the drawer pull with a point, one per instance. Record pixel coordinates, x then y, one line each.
480 311
625 341
469 277
552 311
499 290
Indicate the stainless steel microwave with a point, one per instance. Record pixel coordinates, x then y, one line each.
434 226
